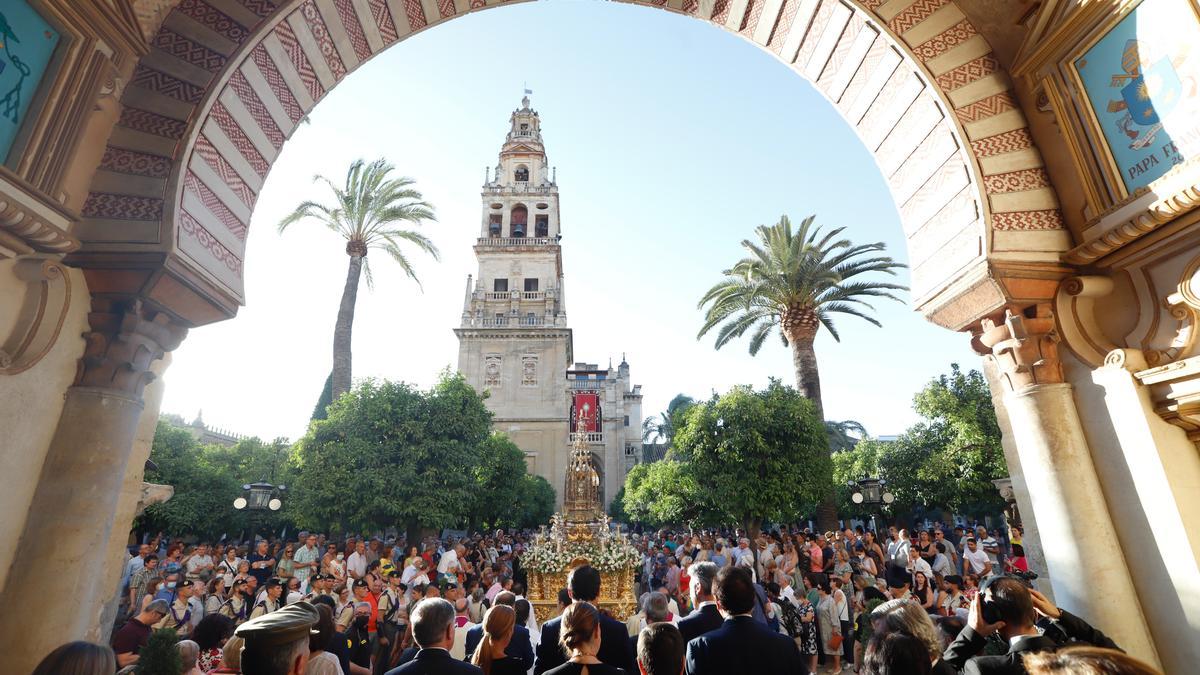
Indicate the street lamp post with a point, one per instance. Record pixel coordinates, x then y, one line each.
260 497
870 492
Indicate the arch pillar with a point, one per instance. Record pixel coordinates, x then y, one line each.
1075 527
61 560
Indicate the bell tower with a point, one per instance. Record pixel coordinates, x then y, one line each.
513 338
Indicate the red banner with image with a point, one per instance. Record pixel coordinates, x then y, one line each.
585 405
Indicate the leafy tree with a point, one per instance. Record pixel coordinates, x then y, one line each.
499 483
660 428
741 458
537 501
204 491
207 478
946 460
665 493
616 508
796 282
390 454
365 213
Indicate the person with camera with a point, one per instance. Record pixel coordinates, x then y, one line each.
1005 606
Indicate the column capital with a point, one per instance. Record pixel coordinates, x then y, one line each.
1024 346
126 337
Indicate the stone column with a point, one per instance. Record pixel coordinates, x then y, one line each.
135 496
62 550
1016 474
1080 542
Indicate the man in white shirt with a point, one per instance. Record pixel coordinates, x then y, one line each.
976 561
356 564
448 563
918 564
989 545
414 575
200 564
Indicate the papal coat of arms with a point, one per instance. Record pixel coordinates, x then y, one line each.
1150 88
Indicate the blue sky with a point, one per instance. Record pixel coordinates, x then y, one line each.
673 140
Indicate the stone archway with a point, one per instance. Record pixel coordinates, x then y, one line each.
225 83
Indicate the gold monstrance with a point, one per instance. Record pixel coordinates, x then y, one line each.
580 535
581 499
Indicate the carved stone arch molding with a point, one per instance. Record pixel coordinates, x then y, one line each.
225 83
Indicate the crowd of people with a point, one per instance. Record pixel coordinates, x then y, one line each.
788 601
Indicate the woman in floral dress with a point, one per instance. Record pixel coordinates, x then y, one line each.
799 620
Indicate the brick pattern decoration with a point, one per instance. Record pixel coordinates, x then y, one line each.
191 227
214 19
299 60
125 161
982 123
111 206
250 99
358 39
415 13
217 162
278 86
215 206
316 24
383 18
188 51
238 136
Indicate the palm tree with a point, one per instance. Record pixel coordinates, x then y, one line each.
796 282
839 433
661 427
365 213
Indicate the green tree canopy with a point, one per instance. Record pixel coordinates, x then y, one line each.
500 487
389 454
947 460
743 457
207 478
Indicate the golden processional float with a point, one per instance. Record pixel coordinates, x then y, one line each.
581 535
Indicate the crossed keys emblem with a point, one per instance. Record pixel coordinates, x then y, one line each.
1150 88
10 104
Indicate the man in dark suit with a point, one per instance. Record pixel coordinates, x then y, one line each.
706 616
583 585
742 644
519 647
1007 607
433 630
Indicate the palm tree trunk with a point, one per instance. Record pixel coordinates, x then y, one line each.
808 381
343 328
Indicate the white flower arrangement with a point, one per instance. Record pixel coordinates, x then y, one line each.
607 552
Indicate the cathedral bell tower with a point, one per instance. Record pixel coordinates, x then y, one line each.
513 340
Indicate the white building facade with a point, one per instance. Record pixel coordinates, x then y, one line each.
514 341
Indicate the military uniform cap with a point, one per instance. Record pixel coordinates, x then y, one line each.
395 573
184 583
360 583
285 625
273 582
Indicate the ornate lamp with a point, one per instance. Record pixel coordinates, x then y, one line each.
260 496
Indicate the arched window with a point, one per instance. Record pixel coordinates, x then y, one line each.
522 174
519 220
